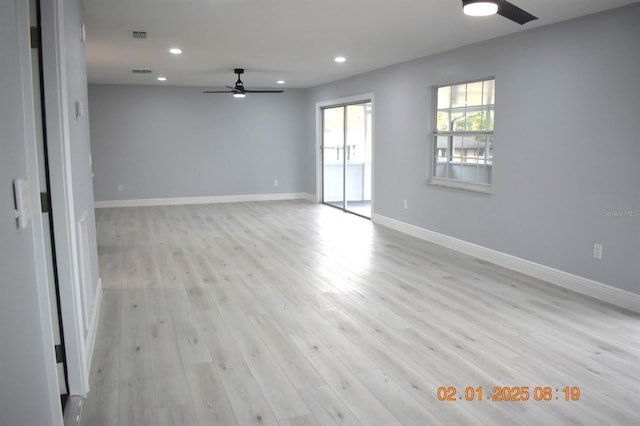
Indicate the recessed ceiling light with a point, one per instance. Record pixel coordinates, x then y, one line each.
280 82
175 51
162 78
340 59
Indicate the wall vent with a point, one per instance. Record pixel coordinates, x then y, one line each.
141 71
139 34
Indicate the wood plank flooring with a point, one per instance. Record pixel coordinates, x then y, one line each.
294 313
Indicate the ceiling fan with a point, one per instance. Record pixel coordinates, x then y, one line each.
501 7
238 90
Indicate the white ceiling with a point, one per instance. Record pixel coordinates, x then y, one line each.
293 40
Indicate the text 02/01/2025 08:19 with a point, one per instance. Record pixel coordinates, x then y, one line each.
509 393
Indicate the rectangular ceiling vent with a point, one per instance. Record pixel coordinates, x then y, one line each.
141 71
140 34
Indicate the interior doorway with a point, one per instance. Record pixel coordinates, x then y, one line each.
347 148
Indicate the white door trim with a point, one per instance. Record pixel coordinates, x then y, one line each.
59 150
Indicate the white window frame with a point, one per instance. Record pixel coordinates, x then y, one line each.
452 182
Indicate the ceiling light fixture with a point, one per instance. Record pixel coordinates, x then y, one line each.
162 78
340 59
480 7
175 51
280 82
239 90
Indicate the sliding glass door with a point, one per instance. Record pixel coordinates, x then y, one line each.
333 156
346 157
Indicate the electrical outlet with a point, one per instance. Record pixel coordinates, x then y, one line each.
406 204
276 182
120 188
597 251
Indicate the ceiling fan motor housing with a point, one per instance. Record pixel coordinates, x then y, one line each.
238 89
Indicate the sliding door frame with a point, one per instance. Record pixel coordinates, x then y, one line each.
320 106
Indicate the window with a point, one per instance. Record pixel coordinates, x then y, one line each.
463 137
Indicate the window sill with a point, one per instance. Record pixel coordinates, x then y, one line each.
457 184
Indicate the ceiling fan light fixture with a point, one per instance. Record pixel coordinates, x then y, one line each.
239 90
479 7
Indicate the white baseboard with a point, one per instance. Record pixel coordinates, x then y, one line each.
93 325
311 197
203 200
597 290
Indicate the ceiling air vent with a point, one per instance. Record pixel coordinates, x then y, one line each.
139 34
141 71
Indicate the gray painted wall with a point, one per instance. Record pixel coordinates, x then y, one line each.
164 142
566 145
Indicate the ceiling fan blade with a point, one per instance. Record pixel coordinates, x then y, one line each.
264 91
513 12
238 90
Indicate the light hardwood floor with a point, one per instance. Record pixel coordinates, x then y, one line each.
294 313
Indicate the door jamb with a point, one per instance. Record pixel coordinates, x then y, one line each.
42 286
58 133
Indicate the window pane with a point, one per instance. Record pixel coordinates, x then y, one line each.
441 149
474 121
444 97
483 122
482 148
458 142
489 92
458 95
469 148
356 133
333 135
475 149
443 121
458 122
440 156
474 94
489 120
